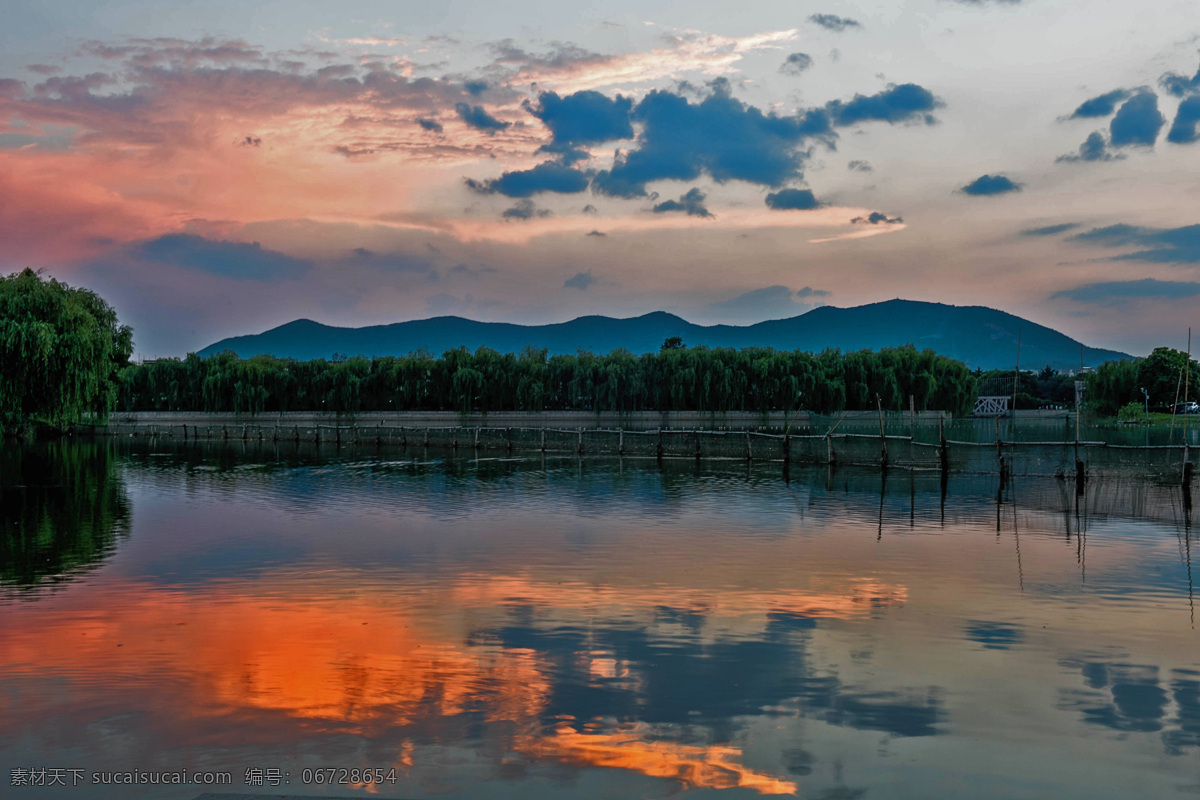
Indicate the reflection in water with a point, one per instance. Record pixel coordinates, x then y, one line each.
601 628
62 508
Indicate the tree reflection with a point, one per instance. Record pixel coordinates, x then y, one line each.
63 506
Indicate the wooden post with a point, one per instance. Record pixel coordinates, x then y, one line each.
476 438
243 431
621 442
427 437
787 447
698 453
337 434
225 432
581 440
508 440
403 437
999 451
317 434
943 451
185 432
749 449
543 440
454 440
882 435
658 452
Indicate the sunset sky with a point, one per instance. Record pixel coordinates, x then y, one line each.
219 168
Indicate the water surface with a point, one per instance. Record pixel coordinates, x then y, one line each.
590 628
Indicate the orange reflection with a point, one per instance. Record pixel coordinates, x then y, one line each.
373 660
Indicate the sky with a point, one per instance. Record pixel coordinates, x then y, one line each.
220 168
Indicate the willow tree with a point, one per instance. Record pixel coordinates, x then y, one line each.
61 352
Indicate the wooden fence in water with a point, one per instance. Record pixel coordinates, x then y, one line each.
1063 458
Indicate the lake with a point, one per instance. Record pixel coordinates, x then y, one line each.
402 623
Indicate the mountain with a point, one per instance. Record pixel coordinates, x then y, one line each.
980 336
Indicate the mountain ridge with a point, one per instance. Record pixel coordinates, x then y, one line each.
977 335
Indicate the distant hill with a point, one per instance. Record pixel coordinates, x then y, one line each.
979 336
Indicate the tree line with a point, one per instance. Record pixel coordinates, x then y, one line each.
676 378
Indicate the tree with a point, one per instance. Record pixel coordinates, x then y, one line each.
61 352
672 343
1162 374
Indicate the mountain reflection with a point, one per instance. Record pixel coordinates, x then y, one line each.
63 506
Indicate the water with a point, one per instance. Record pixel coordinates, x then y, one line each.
592 628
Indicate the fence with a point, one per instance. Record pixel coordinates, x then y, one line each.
835 448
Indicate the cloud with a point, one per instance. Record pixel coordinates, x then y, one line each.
568 67
1158 245
894 104
1094 148
582 281
475 88
471 272
877 218
584 118
546 177
1138 121
590 209
596 233
524 210
860 166
770 302
792 200
237 260
731 140
719 135
1183 129
1101 106
796 63
430 124
1050 230
1179 85
478 117
1117 292
834 23
990 184
390 262
691 202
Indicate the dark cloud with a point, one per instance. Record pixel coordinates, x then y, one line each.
390 262
691 202
796 63
430 124
1050 230
582 281
250 141
471 272
792 200
834 23
1183 129
524 210
590 209
238 260
475 88
1115 292
1179 85
770 302
1137 122
860 166
877 218
1101 106
894 104
584 118
478 117
547 177
719 135
990 184
596 233
43 69
1158 245
1094 148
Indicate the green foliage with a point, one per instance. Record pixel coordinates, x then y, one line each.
1162 373
672 343
1131 412
1112 385
61 350
694 379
